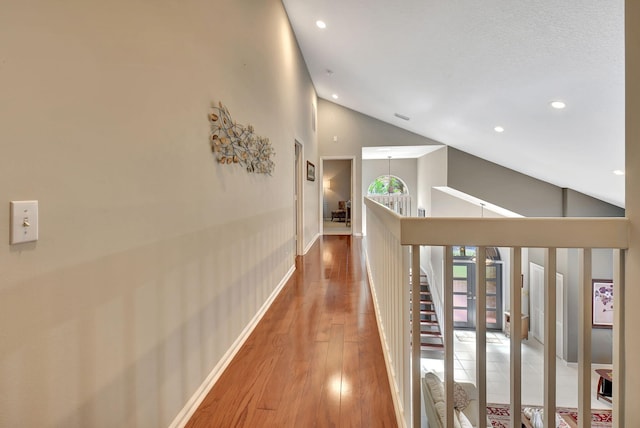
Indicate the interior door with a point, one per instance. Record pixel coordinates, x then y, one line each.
464 292
536 291
464 295
494 296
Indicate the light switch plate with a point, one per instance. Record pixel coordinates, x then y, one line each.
24 221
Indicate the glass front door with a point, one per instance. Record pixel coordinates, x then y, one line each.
464 290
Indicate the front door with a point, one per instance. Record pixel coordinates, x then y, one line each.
464 290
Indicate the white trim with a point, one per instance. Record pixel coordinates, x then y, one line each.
313 241
395 394
299 178
196 399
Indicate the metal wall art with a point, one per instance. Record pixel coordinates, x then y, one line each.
235 143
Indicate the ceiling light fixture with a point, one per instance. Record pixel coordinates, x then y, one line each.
401 116
558 104
498 129
618 172
334 96
321 24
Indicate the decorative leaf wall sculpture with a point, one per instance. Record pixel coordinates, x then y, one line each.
235 143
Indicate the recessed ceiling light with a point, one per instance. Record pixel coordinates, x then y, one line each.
618 172
334 96
558 104
498 129
321 24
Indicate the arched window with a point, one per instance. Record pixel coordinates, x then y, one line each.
387 185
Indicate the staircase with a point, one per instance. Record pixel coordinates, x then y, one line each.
431 343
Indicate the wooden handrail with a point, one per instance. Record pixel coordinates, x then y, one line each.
562 232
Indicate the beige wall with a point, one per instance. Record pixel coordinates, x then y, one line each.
353 131
576 204
503 186
152 258
432 172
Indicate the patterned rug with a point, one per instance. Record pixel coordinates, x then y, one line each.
498 415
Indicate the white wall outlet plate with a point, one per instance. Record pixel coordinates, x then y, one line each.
24 221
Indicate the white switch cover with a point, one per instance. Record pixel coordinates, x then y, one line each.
24 221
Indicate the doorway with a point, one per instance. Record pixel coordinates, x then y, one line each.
464 288
337 196
536 284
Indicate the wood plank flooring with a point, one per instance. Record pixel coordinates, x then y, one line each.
315 359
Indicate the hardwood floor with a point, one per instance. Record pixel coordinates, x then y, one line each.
315 359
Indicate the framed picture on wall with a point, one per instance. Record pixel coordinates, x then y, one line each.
602 303
311 171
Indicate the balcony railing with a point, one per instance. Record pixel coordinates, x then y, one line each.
393 250
400 204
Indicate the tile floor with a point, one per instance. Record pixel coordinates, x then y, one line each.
498 371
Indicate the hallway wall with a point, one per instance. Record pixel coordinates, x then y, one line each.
353 131
153 259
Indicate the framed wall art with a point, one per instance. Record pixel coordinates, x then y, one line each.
311 171
602 290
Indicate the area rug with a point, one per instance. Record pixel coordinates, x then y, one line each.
498 415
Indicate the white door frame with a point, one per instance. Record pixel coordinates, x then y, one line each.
354 206
298 197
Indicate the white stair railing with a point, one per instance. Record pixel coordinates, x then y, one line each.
388 237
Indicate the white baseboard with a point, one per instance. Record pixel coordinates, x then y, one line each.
313 241
395 394
192 405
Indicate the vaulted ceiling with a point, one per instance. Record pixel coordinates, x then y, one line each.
460 68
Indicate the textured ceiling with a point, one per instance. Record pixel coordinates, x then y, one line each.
458 68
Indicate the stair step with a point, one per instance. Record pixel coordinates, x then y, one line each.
430 335
428 340
435 343
432 353
431 345
431 340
